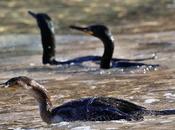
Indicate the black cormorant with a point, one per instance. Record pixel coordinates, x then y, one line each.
85 109
47 36
104 34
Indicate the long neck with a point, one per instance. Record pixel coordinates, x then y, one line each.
45 112
48 43
108 52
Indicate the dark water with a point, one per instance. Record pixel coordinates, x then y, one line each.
151 88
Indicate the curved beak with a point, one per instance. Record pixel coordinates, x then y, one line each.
83 29
32 14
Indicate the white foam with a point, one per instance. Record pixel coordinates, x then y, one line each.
149 101
82 128
169 95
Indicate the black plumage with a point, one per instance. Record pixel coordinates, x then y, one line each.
100 31
99 109
84 109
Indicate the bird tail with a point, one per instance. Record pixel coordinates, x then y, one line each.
161 112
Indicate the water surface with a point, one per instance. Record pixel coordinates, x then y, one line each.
151 88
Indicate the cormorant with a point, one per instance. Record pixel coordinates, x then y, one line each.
104 34
47 36
84 109
48 42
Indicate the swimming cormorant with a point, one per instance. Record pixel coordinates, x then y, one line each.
47 36
48 42
85 109
101 32
104 34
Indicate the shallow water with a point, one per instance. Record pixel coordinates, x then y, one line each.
151 88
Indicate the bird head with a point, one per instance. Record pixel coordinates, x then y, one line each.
43 20
13 82
97 30
33 88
